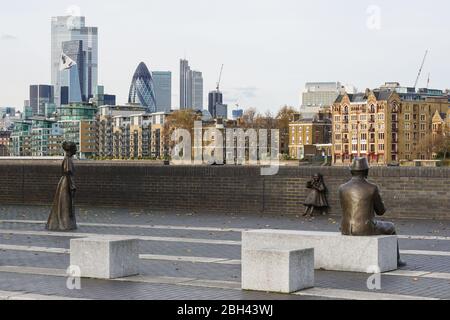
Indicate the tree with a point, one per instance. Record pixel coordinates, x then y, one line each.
285 116
442 147
433 145
248 118
180 119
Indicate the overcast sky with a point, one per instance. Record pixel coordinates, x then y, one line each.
270 48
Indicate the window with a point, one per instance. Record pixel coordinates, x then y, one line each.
338 137
354 147
381 136
338 147
423 126
364 147
337 118
381 116
408 147
363 117
364 136
363 126
423 117
408 136
354 118
407 126
381 147
407 117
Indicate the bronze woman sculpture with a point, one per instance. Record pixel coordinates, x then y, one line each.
62 217
317 198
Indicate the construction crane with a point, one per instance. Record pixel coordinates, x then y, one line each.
428 81
220 79
420 70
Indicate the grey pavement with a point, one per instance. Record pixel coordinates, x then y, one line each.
169 234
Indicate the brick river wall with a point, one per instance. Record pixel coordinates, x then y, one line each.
407 192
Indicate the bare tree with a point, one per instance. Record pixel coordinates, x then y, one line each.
180 119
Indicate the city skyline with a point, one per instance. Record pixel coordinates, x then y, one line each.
272 41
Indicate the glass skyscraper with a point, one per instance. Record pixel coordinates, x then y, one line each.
197 90
142 89
185 85
73 78
215 98
40 95
191 87
163 90
70 34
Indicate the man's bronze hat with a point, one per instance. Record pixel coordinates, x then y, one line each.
359 164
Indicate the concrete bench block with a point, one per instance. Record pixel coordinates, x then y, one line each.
332 251
277 270
105 257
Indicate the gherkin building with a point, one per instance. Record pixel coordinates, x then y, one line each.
142 89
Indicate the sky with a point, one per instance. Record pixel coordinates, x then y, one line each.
269 48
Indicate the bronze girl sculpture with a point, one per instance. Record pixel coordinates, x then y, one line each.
317 198
62 216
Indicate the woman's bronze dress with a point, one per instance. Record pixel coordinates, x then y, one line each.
317 197
62 216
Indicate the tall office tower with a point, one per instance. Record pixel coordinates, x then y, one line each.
214 98
84 53
185 85
197 90
71 75
142 89
163 90
39 96
191 87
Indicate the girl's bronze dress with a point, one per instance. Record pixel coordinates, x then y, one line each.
62 216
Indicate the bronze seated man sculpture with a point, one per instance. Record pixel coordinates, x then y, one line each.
361 201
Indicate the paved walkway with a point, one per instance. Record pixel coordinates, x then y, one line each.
197 256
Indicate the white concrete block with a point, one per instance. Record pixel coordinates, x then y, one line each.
105 257
277 270
332 251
